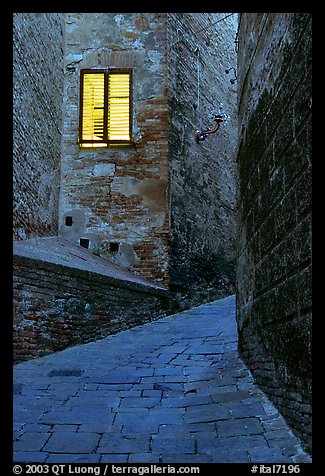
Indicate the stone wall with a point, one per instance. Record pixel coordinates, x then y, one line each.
274 223
37 115
202 175
57 305
118 197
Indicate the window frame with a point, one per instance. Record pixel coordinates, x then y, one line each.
105 143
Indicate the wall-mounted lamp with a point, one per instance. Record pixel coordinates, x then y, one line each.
200 136
227 71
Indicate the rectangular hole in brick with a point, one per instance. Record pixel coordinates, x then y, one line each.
84 242
113 246
68 221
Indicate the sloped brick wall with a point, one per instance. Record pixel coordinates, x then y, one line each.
274 223
57 306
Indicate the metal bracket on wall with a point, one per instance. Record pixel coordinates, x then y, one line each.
200 136
227 71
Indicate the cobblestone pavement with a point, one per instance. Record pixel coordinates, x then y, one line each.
171 391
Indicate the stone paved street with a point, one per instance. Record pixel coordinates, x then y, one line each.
171 391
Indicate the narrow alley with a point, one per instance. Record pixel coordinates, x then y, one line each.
170 391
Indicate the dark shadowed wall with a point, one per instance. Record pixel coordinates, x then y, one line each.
203 175
37 116
274 222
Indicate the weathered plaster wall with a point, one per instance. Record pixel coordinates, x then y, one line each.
202 176
119 195
274 223
37 116
144 196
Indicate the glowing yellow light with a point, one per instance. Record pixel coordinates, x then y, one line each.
94 144
115 113
119 107
93 107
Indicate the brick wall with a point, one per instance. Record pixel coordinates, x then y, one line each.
37 114
57 306
274 223
119 195
202 176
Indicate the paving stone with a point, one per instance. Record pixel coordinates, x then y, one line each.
34 427
274 423
73 458
115 379
114 458
186 458
77 416
88 401
281 433
231 457
28 415
152 393
180 443
136 402
246 409
169 371
67 442
134 410
122 444
147 422
98 428
235 396
133 393
31 441
241 442
288 442
206 413
221 388
242 426
185 401
268 455
114 386
72 428
16 435
64 389
144 458
29 457
190 428
181 379
18 426
209 445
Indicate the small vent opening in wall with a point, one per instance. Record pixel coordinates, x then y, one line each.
68 221
113 246
84 242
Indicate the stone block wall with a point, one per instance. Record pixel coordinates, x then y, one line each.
37 116
202 175
119 195
274 216
57 306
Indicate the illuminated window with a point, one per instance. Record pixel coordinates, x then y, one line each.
105 108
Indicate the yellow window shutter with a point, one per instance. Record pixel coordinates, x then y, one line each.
93 107
118 124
